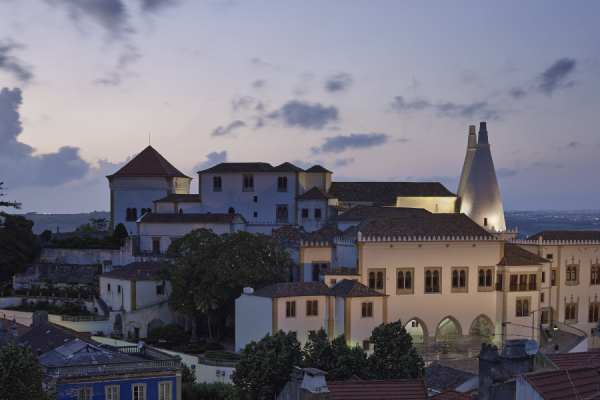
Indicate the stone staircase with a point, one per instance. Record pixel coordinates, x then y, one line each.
102 307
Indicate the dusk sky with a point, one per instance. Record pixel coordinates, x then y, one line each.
372 90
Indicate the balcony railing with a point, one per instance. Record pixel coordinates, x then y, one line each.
522 287
91 318
217 363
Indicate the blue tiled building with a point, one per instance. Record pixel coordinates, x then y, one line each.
82 371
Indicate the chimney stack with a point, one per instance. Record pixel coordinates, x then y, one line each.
38 318
314 386
471 146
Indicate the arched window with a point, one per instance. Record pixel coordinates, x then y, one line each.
285 182
143 211
149 210
481 278
574 274
279 212
128 214
568 273
285 212
436 281
597 275
379 281
428 287
407 280
134 214
316 271
592 275
463 279
282 184
454 278
488 278
591 314
372 280
400 280
231 210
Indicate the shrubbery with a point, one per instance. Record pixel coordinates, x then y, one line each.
90 242
170 333
208 391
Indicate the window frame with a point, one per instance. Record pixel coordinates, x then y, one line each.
282 184
284 213
108 287
411 279
489 278
432 271
290 309
170 386
525 302
81 395
144 394
217 184
318 211
376 271
366 345
366 310
312 309
305 211
553 277
247 182
311 335
458 288
160 290
573 272
107 388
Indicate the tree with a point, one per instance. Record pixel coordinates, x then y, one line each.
394 356
100 224
208 391
207 304
19 246
21 374
265 366
13 204
120 231
46 235
187 376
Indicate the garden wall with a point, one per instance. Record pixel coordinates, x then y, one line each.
25 318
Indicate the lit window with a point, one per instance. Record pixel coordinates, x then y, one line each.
311 335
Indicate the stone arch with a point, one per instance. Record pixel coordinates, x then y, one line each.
482 329
424 335
449 330
132 329
155 323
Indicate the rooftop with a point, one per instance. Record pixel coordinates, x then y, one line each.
340 271
149 163
362 212
318 168
136 271
567 235
204 218
515 255
405 389
440 377
48 335
571 360
315 194
293 289
180 198
455 395
350 288
253 167
573 383
386 193
21 329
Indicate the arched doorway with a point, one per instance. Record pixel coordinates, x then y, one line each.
417 329
481 329
449 330
155 323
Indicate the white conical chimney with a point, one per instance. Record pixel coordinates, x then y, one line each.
471 146
481 198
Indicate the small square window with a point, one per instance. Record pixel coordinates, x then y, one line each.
160 289
295 334
255 214
305 213
367 309
332 282
317 213
550 257
311 335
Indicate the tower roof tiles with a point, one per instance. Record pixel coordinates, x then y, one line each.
149 163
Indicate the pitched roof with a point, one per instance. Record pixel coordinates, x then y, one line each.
179 198
393 224
456 395
406 389
48 333
362 212
466 364
240 167
204 218
570 360
567 235
573 383
350 288
291 234
325 234
136 271
77 352
287 233
293 289
386 193
287 167
340 271
441 377
315 194
318 168
149 163
515 255
8 323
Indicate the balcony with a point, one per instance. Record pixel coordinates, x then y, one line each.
522 287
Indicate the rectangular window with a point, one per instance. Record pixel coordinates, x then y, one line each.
519 308
312 308
295 334
139 392
366 345
415 324
118 288
432 280
305 213
108 287
160 289
217 184
255 214
367 309
256 199
156 245
553 277
317 213
112 392
85 394
248 181
281 213
542 297
550 257
164 391
332 282
311 335
290 309
485 222
543 277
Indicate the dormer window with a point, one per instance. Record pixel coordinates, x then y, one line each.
217 184
282 184
248 183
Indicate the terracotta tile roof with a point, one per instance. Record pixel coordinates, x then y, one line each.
291 234
386 193
325 234
40 336
204 218
136 271
287 234
148 163
318 168
441 377
571 360
8 323
466 364
406 389
179 198
294 289
360 213
515 255
567 235
393 224
287 167
315 194
340 271
350 288
573 383
455 395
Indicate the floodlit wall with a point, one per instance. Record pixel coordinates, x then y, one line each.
302 323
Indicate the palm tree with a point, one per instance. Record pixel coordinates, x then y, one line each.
207 304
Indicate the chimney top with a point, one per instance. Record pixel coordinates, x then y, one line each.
472 129
483 134
248 290
314 381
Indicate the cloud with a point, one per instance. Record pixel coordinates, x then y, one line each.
220 131
12 64
554 77
573 145
517 92
212 159
505 172
344 162
338 83
306 115
401 140
242 102
447 109
18 165
338 144
109 14
114 78
259 83
258 61
154 6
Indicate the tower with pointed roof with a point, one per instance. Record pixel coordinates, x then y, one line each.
133 188
480 194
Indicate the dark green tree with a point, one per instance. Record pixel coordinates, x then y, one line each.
394 356
21 374
12 204
19 246
120 231
266 365
187 375
208 391
318 353
46 235
99 224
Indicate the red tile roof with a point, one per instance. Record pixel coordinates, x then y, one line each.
574 383
571 360
21 329
515 255
149 163
405 389
455 395
315 194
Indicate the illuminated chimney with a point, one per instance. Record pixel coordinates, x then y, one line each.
468 161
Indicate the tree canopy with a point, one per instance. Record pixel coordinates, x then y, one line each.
120 231
19 246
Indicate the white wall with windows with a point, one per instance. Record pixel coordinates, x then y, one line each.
135 195
305 319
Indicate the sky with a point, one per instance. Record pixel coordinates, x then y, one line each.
372 90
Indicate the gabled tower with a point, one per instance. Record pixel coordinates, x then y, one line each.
481 196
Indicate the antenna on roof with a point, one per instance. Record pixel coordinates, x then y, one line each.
148 138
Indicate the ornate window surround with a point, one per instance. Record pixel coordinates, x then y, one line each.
569 268
412 281
459 289
485 287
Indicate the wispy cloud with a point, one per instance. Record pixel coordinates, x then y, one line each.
11 64
338 83
259 83
212 159
344 162
479 109
338 144
306 115
555 77
224 131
